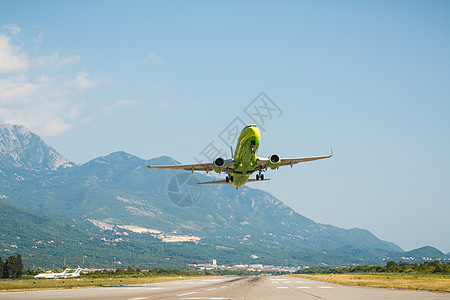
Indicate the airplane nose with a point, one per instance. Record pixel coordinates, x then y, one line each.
255 132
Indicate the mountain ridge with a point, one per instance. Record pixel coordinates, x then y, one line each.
22 149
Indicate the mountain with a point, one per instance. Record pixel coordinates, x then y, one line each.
20 149
132 207
424 252
46 239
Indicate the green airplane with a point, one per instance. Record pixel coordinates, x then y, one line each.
244 162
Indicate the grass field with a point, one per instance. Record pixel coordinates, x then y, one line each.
425 282
9 285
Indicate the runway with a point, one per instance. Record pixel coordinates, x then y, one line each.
223 288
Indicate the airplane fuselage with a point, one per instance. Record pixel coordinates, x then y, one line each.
245 155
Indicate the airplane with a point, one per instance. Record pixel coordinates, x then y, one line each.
74 274
244 161
51 275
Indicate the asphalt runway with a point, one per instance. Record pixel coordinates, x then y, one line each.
221 288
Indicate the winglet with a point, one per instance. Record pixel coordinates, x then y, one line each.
331 150
148 166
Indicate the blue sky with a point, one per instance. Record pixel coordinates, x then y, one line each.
159 78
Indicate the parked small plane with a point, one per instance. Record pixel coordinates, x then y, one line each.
244 161
72 275
51 275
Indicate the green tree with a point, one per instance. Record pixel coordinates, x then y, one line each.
120 271
391 266
19 265
2 266
11 267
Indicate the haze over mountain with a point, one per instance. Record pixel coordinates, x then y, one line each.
114 202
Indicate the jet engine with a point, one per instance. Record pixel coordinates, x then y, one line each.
274 161
218 165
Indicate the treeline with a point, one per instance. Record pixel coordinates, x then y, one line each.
12 267
434 267
155 272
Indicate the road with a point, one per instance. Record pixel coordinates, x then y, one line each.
222 288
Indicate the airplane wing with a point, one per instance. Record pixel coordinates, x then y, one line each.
263 163
229 164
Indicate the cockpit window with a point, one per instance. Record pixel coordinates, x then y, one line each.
248 126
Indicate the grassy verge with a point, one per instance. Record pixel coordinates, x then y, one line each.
9 285
425 282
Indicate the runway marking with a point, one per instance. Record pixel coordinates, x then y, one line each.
210 298
282 287
300 282
153 288
225 286
142 298
211 289
304 287
275 282
185 294
325 287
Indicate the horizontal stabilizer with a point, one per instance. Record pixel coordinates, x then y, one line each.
225 182
254 180
214 182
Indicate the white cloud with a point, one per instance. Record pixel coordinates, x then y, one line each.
86 120
109 109
13 28
44 104
82 82
12 60
54 60
155 58
38 39
44 78
153 87
164 105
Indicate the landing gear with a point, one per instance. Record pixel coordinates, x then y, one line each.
229 179
260 176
